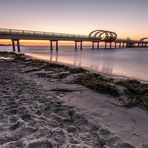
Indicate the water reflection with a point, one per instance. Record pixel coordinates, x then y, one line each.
52 57
77 58
121 62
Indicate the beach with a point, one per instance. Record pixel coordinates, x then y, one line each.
47 105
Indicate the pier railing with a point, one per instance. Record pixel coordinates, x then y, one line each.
40 33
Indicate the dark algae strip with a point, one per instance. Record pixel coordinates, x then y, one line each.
98 83
136 92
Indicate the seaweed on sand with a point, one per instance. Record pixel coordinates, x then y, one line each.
136 92
97 83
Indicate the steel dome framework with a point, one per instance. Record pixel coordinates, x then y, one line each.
103 35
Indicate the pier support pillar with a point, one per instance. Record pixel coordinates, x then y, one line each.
115 45
57 47
141 45
81 46
18 46
110 45
51 46
76 47
98 45
123 45
120 45
105 45
13 45
133 44
93 45
128 45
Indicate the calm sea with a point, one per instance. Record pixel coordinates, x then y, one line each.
127 62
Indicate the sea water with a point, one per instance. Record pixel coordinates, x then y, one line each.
124 62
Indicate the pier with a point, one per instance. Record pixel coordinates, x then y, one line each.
95 37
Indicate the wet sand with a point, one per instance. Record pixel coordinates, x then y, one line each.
40 109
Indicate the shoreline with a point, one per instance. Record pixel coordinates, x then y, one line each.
38 79
131 88
129 83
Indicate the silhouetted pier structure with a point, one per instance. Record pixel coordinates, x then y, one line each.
96 37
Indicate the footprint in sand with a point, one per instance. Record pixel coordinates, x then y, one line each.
15 125
12 111
26 117
40 144
13 119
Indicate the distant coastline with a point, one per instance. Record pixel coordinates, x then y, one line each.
5 44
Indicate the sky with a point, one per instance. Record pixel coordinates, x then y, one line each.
128 18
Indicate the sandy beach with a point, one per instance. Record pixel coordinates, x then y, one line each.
46 105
